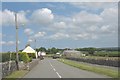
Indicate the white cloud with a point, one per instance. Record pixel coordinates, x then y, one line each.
81 25
85 17
22 17
107 29
10 43
30 40
59 36
8 17
0 18
39 34
59 25
1 35
94 5
2 42
42 16
93 28
84 36
28 31
110 16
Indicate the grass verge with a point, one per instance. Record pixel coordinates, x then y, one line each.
15 75
104 71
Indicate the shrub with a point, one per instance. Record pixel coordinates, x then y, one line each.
24 57
31 59
32 55
5 57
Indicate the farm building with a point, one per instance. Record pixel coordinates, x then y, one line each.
28 49
72 53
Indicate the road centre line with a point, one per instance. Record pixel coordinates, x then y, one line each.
55 70
58 75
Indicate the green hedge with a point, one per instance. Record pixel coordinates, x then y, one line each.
31 55
108 54
22 56
5 57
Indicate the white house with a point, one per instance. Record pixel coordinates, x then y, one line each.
28 49
41 53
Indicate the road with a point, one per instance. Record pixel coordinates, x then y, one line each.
51 68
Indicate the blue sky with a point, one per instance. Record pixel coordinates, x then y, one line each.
61 25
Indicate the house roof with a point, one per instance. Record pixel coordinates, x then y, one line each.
28 49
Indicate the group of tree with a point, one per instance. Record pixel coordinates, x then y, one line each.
91 50
52 50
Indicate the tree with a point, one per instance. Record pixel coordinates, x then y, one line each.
90 50
42 49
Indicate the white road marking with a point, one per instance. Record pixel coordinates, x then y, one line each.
58 75
55 70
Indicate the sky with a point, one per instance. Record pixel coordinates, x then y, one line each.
59 24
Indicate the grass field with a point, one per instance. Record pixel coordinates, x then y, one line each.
104 71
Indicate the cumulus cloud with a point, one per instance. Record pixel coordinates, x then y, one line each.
85 17
28 31
2 42
110 16
30 40
80 25
42 16
58 35
59 25
39 34
8 17
93 5
8 43
85 36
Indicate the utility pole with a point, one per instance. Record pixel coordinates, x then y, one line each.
17 58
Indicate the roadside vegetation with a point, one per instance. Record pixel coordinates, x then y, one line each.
104 71
25 57
17 74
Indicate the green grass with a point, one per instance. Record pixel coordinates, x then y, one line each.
104 71
16 74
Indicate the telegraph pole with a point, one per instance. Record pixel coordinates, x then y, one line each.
17 58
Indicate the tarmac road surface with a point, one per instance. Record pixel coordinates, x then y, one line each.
51 68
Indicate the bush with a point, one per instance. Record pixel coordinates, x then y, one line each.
32 55
24 57
5 57
31 59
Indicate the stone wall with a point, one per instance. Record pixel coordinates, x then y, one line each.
8 68
106 62
33 63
